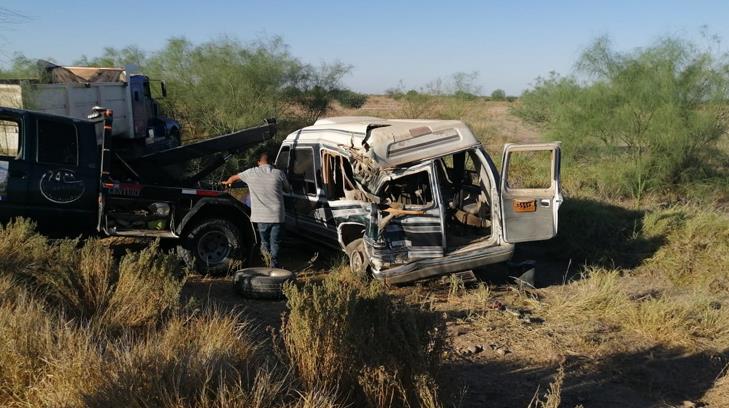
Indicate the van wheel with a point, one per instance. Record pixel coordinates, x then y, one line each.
358 259
211 247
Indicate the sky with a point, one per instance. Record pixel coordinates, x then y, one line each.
509 43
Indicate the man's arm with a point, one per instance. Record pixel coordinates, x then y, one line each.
232 179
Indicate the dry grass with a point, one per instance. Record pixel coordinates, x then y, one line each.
552 398
80 328
492 122
86 282
350 336
673 298
43 361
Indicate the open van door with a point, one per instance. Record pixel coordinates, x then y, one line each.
530 191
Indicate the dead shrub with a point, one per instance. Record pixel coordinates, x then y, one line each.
85 281
44 361
146 290
360 341
20 245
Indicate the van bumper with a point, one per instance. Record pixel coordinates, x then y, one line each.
428 268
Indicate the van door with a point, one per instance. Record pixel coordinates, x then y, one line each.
308 199
530 191
14 167
410 225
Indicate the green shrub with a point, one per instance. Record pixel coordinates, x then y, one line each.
351 99
659 110
415 105
498 95
466 96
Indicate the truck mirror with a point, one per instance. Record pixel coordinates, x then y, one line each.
163 87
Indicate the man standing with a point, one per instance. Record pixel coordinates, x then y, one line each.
266 186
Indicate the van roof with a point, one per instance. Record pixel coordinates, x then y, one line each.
391 142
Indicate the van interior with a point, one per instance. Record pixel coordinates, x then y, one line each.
413 189
465 187
461 178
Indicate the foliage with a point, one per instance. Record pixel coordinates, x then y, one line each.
21 67
465 85
351 99
113 57
223 85
314 89
660 110
498 95
415 105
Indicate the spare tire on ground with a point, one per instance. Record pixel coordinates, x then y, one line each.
262 282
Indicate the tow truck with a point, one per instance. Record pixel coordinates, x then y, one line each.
65 174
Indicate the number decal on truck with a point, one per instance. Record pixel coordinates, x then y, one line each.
61 186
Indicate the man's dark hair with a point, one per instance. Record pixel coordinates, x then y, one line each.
264 157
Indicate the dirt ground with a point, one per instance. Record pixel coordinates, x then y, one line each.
503 353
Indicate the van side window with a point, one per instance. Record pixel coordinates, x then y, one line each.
337 176
282 161
529 170
9 138
302 177
57 142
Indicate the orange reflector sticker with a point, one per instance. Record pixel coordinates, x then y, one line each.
524 206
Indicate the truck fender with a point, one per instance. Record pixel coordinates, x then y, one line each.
217 207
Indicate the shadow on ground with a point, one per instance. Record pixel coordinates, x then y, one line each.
655 377
591 234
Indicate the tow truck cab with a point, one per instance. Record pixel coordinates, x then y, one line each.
61 173
48 170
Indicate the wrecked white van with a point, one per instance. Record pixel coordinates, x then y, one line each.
412 199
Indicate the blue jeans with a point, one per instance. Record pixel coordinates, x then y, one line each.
270 239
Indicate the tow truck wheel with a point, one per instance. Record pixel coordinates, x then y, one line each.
358 261
212 247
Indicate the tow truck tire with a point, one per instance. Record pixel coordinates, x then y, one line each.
262 282
358 260
212 246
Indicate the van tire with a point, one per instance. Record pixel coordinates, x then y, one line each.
262 282
212 246
358 259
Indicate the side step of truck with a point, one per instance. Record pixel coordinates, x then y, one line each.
143 233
